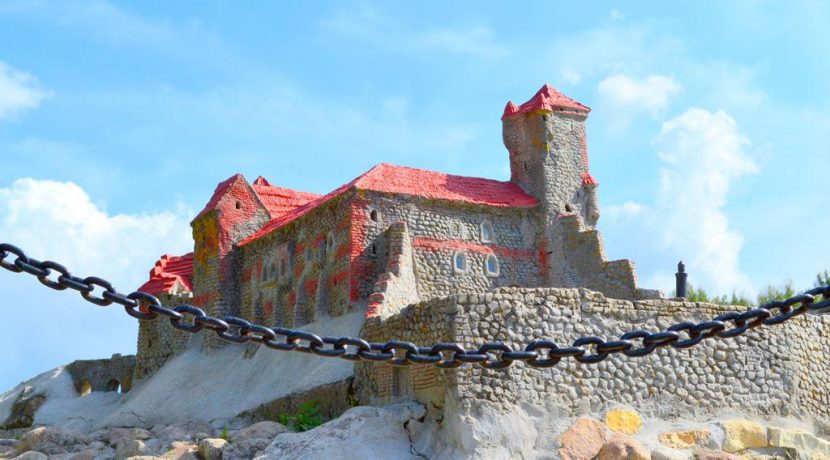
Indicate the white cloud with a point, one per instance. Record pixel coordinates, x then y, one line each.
18 91
650 94
703 154
628 210
59 221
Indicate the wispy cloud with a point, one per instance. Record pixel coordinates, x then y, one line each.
650 94
19 91
367 23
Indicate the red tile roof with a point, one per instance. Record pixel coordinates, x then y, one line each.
219 193
401 180
168 272
549 99
279 200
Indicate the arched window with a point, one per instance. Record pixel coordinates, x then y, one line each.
374 215
459 262
491 265
487 233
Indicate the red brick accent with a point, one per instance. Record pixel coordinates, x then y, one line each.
169 271
460 245
338 278
311 287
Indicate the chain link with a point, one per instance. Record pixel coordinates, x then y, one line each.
541 353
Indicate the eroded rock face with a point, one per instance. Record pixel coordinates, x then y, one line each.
583 440
23 410
622 447
361 432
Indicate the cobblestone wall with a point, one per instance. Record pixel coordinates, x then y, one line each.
301 271
158 340
771 370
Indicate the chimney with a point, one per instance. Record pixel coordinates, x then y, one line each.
680 280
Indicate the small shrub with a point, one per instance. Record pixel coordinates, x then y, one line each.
306 418
224 434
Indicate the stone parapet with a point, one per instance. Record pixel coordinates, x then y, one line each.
776 370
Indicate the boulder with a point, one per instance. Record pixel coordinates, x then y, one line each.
116 435
623 421
211 448
798 439
361 432
583 440
181 451
130 448
51 440
261 430
684 439
623 447
667 453
743 434
707 454
31 455
188 431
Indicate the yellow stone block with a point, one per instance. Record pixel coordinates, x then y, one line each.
623 421
743 434
683 439
798 439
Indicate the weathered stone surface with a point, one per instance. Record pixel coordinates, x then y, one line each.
50 440
117 435
667 453
623 421
743 434
211 448
583 440
622 447
798 439
684 439
31 455
130 448
23 410
187 431
382 435
143 457
260 430
181 451
706 454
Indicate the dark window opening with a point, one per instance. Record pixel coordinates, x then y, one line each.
373 215
238 205
568 208
113 385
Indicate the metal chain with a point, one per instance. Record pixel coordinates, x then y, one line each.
492 355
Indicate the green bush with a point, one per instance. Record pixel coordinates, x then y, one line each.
306 418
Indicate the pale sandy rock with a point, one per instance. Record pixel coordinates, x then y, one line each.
31 455
743 434
623 447
50 440
623 421
667 453
260 430
211 448
798 439
707 454
188 431
181 451
360 433
583 440
93 451
143 457
130 448
684 439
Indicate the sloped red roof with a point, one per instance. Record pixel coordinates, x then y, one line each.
547 98
168 271
219 193
402 180
279 200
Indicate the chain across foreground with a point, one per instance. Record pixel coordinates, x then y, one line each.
541 353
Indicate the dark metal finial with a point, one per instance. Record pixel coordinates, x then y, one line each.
680 280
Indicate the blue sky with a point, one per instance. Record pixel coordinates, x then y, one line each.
710 129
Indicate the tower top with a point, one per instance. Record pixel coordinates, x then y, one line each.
547 99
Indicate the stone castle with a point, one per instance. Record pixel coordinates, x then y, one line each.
397 235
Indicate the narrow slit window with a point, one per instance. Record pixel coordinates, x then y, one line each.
487 233
491 265
459 262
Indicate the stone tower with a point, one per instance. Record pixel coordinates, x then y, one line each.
549 159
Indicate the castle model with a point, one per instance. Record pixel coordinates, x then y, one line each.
396 235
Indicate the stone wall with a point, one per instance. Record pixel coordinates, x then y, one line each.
439 230
397 286
300 272
777 370
158 340
112 374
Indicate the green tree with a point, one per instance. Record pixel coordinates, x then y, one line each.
823 278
